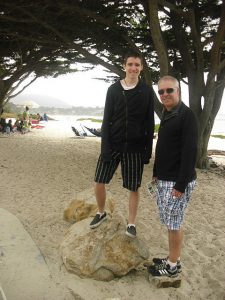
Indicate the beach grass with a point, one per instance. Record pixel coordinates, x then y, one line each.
7 115
157 128
90 119
219 136
100 121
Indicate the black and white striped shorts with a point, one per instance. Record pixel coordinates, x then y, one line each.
131 168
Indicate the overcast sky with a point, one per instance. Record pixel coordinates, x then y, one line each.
80 89
77 89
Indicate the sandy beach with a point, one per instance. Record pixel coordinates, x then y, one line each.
41 172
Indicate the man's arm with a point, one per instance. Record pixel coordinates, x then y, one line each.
188 151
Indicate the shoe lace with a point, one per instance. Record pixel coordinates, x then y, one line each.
160 266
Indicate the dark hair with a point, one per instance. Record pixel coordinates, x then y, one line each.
132 54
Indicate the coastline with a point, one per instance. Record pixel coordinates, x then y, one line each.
42 171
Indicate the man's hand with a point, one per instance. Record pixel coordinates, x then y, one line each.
154 179
176 193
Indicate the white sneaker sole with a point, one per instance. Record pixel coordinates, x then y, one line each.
130 235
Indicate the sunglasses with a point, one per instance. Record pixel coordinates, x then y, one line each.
168 91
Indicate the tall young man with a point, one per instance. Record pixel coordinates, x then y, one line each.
127 134
174 171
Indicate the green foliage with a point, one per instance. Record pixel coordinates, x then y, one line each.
219 136
9 115
157 128
90 119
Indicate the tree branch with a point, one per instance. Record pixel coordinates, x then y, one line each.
157 37
218 40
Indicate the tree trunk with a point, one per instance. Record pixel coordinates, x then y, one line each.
203 139
206 121
3 91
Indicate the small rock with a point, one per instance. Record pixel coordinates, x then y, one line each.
165 282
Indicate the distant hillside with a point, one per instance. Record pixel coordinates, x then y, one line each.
42 100
51 106
75 110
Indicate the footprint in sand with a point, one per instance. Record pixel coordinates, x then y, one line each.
209 251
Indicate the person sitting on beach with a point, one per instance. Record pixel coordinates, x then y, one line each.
2 125
10 126
21 126
39 117
17 125
127 135
174 172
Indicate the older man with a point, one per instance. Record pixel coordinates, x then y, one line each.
174 171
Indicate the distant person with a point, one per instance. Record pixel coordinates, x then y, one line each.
127 135
26 115
26 119
174 171
17 125
2 124
45 117
29 125
39 117
9 127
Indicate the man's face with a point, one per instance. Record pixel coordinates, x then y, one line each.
133 67
168 93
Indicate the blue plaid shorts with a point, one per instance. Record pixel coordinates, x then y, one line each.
171 210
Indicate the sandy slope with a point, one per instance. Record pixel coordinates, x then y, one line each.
42 171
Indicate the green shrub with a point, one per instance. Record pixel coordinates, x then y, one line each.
90 119
156 128
6 115
219 136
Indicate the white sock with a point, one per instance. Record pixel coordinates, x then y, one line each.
128 225
172 265
101 214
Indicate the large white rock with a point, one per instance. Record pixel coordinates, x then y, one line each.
102 253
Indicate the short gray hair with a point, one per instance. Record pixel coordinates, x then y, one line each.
169 78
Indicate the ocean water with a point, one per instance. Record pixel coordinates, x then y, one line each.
66 121
218 128
219 125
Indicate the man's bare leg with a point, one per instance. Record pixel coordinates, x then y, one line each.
100 194
175 244
133 206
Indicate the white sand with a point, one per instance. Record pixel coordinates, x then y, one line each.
42 171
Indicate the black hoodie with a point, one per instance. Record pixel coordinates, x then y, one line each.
128 123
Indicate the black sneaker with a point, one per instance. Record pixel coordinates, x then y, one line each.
161 262
98 219
164 271
131 231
